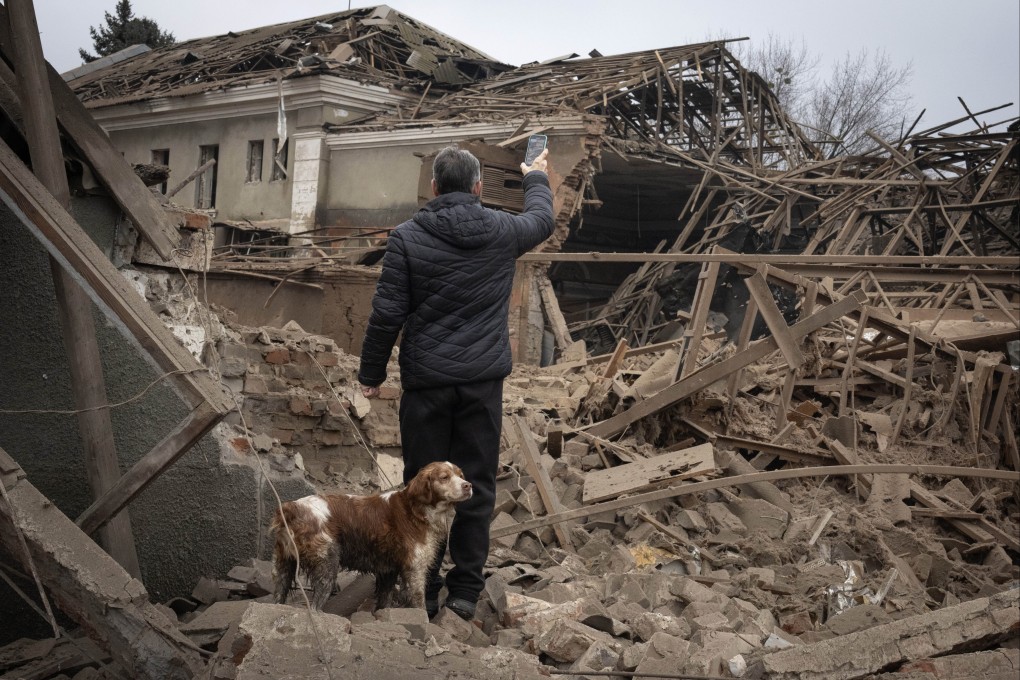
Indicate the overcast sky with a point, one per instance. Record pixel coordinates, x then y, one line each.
970 50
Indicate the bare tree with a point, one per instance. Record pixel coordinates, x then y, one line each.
864 92
787 67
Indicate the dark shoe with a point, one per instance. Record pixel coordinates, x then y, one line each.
431 608
462 608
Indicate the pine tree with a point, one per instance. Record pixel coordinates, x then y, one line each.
124 29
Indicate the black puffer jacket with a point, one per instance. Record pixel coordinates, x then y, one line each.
446 282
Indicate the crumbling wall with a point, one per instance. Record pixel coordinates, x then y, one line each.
337 306
296 391
200 517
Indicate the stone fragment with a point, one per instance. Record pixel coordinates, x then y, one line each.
857 618
598 657
690 590
712 621
567 640
796 623
724 519
691 520
649 623
713 651
519 606
759 515
208 591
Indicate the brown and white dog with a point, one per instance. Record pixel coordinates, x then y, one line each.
393 534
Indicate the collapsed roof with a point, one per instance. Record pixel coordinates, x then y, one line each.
375 44
692 97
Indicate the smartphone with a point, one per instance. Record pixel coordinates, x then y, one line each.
536 144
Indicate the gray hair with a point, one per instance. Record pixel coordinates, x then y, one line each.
455 169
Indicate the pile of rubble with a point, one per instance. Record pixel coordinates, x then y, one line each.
602 560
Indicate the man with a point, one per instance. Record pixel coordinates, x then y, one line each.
446 283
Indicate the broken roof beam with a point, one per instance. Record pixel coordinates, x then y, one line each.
126 188
89 586
738 480
710 374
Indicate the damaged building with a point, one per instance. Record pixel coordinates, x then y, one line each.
762 416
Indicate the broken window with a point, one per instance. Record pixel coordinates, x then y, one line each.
205 185
161 157
279 160
255 148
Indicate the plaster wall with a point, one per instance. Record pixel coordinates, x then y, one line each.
236 199
376 187
339 309
199 518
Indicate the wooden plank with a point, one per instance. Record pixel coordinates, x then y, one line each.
532 460
906 390
982 523
636 351
930 500
782 452
76 323
710 374
126 188
638 476
769 310
1009 436
743 338
149 467
695 330
944 514
984 368
553 313
773 476
613 365
85 262
92 589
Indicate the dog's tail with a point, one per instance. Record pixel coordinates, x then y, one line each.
283 531
284 558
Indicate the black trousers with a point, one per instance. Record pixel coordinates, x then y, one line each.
460 424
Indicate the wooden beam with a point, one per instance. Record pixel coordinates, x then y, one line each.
782 452
76 323
149 467
933 502
67 242
773 476
553 314
90 587
533 462
126 188
695 330
710 374
759 289
755 259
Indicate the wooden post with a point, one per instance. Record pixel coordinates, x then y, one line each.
75 309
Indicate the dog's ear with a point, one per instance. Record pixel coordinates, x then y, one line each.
420 488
